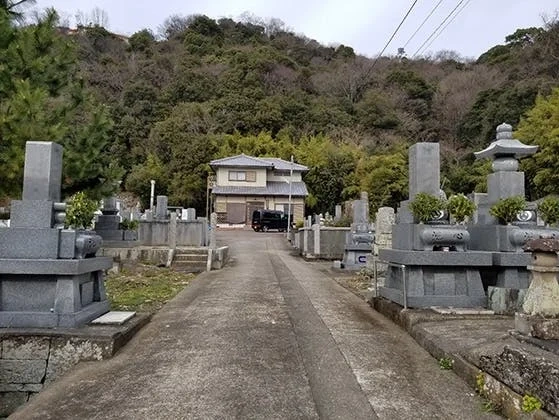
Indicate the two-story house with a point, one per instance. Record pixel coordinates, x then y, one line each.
245 183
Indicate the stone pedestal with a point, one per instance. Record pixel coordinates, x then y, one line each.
434 278
540 311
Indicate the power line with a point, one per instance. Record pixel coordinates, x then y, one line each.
392 37
444 27
438 27
423 23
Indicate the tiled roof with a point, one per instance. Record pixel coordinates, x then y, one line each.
284 165
298 189
254 162
241 160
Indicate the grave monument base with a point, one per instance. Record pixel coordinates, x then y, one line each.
355 256
435 278
46 293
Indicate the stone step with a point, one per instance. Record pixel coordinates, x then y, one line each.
190 257
190 251
189 266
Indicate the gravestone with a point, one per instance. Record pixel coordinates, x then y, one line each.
384 220
425 176
359 241
49 276
108 224
338 212
190 214
162 208
429 264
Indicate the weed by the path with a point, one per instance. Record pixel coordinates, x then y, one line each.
530 403
446 363
144 288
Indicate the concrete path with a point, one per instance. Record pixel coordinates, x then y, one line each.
269 337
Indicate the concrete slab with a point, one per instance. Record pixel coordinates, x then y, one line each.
462 311
114 317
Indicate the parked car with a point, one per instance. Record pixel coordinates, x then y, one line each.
265 220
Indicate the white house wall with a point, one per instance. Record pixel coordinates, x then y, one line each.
223 177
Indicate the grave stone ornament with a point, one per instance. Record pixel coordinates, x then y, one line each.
430 264
509 276
49 276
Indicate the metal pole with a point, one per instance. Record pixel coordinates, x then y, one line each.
404 280
289 200
152 194
208 198
375 276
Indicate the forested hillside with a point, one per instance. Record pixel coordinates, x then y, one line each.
162 107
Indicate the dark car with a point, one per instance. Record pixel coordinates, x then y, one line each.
265 220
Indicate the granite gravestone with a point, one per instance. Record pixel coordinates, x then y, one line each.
49 276
429 264
161 211
359 242
384 220
108 225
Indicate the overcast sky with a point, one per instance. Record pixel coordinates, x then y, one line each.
365 25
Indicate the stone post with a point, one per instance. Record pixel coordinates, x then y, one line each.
316 240
173 231
213 227
338 213
541 305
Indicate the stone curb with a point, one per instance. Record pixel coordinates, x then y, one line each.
500 395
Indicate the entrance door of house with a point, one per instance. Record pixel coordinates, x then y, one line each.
236 213
251 206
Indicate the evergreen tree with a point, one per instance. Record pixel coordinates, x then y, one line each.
43 98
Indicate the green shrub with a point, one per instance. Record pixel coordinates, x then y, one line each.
299 224
80 211
506 209
129 224
425 207
548 209
460 207
344 221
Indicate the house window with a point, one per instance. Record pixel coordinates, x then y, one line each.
248 176
281 173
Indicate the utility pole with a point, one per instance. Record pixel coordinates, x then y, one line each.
289 200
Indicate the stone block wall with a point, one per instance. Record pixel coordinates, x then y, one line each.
188 233
28 363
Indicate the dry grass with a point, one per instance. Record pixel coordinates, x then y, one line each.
144 288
